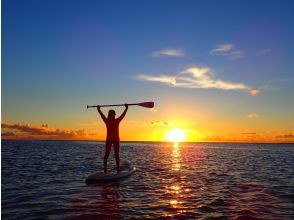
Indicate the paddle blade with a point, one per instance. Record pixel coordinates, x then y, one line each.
147 104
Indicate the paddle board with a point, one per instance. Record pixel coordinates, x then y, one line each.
126 170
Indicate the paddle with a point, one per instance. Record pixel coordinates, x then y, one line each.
142 104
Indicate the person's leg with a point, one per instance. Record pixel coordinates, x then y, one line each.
116 153
107 152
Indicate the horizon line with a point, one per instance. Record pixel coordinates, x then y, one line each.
137 141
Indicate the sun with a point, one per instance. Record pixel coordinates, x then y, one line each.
176 135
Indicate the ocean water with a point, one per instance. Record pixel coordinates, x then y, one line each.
46 180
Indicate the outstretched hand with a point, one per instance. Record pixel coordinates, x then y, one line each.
98 107
126 105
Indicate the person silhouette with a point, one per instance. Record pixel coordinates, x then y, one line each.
112 137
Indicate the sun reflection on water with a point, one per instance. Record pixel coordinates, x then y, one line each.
176 157
177 189
174 203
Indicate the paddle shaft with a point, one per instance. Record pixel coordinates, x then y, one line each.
95 106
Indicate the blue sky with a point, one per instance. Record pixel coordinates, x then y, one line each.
59 56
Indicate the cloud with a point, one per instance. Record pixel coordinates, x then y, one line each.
159 78
249 133
237 54
263 51
7 134
169 52
253 115
214 138
24 131
254 91
161 123
290 136
221 48
227 50
252 135
92 134
262 137
197 77
153 110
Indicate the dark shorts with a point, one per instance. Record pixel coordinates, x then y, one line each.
114 142
108 145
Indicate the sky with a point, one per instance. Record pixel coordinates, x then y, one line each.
216 70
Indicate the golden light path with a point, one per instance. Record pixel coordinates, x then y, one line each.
178 189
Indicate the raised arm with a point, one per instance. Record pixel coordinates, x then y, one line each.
124 113
101 114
